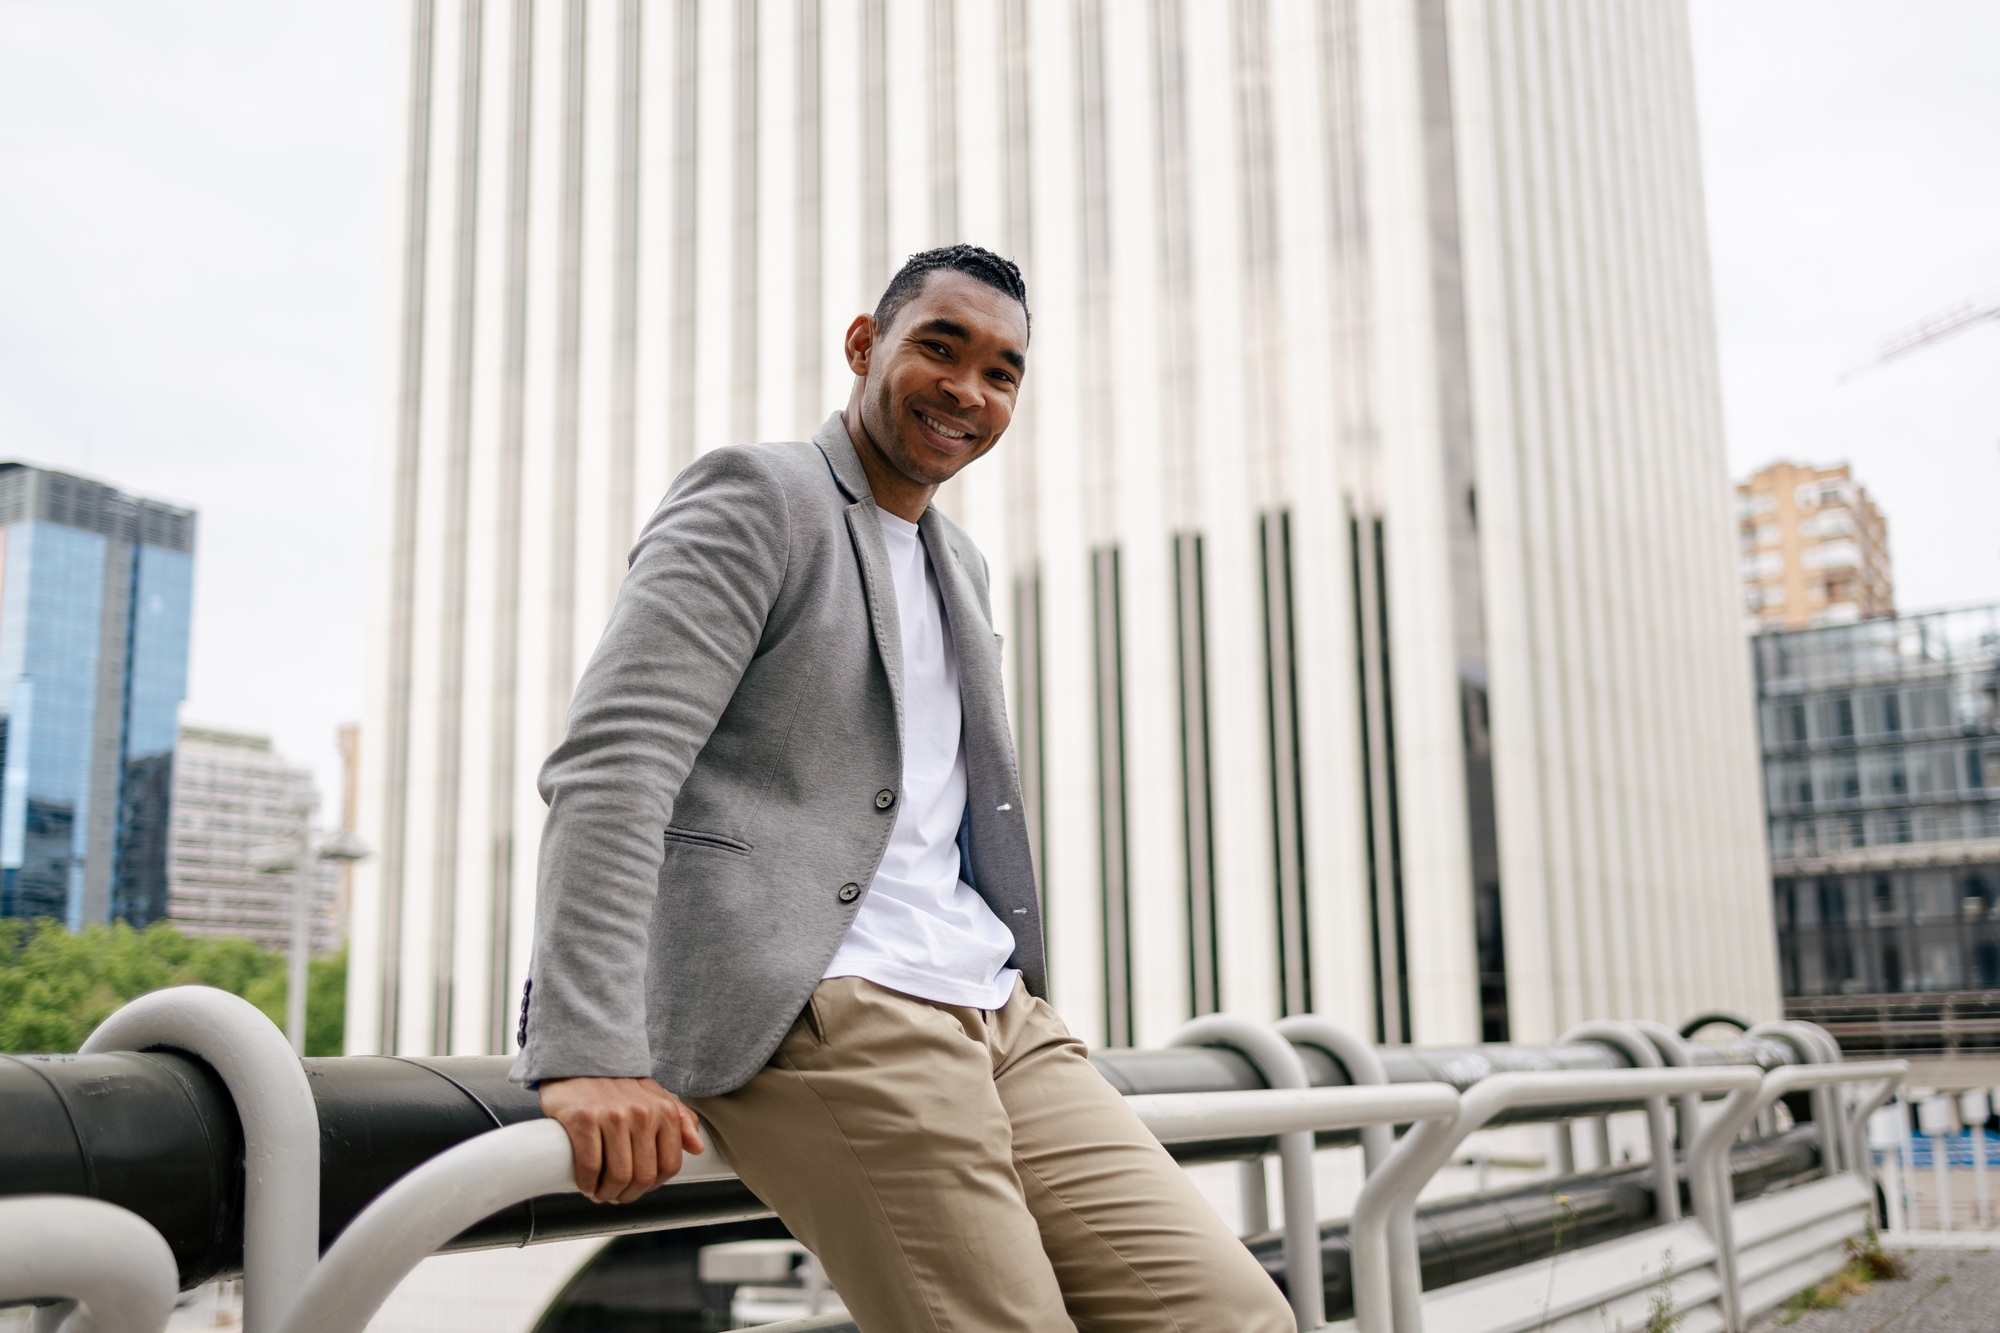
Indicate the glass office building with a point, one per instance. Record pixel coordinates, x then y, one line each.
96 589
1882 779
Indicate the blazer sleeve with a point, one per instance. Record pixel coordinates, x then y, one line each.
688 618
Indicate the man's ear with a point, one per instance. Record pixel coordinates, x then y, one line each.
860 343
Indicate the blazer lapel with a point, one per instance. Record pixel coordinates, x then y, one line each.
1003 873
871 552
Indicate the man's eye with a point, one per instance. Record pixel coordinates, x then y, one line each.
938 348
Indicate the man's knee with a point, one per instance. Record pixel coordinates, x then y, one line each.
1244 1299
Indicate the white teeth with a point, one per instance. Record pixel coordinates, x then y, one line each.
941 428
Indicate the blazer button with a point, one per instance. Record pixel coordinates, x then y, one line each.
849 892
884 799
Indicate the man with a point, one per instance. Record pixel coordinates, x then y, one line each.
785 883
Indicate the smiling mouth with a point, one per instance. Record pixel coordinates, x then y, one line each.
941 430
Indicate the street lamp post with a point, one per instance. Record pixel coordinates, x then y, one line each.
302 857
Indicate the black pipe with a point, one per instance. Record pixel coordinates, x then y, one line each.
157 1133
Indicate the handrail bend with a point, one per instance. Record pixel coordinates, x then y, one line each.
1388 1287
90 1254
1643 1054
1280 1067
1713 1202
422 1211
280 1128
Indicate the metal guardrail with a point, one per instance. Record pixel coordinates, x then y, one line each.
488 1173
1705 1155
280 1127
1387 1287
83 1253
455 1190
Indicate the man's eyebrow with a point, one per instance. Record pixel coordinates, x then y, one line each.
951 328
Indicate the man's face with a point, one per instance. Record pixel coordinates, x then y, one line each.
941 380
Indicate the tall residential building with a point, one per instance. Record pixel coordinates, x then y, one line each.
234 795
96 588
1815 549
1882 775
1362 544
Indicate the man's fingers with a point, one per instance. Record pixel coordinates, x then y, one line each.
588 1150
645 1160
617 1171
691 1130
668 1146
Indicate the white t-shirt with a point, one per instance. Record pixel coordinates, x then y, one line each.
921 930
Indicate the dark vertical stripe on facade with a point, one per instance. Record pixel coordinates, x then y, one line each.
1197 789
569 350
681 331
1373 844
506 645
1174 209
1353 371
1113 844
1281 697
743 251
1454 382
944 122
874 149
403 516
618 529
507 547
1028 743
1399 951
1017 221
1388 950
806 233
457 503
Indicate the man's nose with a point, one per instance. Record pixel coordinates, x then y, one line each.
963 390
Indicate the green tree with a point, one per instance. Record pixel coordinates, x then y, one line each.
57 985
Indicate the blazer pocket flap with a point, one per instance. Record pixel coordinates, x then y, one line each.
697 838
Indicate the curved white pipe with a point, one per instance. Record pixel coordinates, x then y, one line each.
111 1262
1274 1058
280 1128
1636 1047
420 1212
1389 1295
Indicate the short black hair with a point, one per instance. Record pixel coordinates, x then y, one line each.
974 261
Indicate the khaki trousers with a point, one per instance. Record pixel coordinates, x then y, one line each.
967 1171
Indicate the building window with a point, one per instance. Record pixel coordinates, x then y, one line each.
1986 964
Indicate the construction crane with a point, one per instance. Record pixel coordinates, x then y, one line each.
1953 319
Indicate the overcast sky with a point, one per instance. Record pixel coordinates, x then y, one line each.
192 249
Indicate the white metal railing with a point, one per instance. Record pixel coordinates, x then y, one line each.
1388 1289
280 1128
1707 1158
290 1289
106 1266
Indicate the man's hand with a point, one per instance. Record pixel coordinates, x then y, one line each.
627 1133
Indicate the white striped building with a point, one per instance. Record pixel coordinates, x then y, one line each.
1364 541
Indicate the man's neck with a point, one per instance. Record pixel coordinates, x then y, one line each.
892 490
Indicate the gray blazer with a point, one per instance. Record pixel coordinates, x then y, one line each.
732 767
